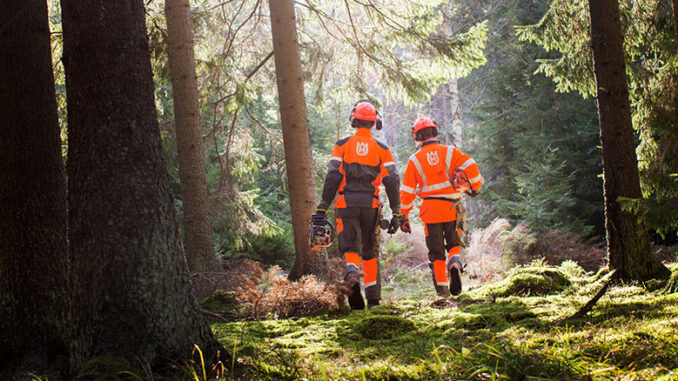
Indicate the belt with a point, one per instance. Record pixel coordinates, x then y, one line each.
370 193
442 199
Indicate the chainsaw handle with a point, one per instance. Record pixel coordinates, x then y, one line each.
331 231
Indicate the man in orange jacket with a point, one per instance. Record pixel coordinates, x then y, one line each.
359 164
438 174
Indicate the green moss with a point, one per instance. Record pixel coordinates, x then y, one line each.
383 327
534 279
630 333
671 286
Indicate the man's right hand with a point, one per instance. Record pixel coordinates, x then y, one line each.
319 218
395 223
405 224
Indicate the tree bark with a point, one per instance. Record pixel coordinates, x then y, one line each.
197 230
296 138
34 300
627 242
129 273
675 17
457 128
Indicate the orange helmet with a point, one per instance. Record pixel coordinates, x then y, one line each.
365 111
421 124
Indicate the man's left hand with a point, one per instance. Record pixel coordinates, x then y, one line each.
319 218
405 224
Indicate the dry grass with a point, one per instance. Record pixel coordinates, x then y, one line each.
414 253
498 247
278 297
269 294
485 252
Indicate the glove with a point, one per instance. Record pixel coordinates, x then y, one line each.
319 218
395 223
472 193
405 224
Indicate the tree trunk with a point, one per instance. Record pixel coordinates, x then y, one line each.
296 138
675 17
627 242
457 130
199 246
34 300
129 273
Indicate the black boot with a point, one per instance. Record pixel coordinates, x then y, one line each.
372 303
442 291
455 280
355 298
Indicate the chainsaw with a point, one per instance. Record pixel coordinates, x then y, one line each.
320 236
461 184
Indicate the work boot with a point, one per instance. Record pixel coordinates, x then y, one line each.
355 298
372 303
455 280
443 291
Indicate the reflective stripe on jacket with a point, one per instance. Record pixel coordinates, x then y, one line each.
358 166
428 175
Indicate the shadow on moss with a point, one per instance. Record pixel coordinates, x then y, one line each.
108 368
224 303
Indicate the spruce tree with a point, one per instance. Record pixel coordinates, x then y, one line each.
130 280
627 242
536 148
34 290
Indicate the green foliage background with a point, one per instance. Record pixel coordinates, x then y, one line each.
652 68
519 64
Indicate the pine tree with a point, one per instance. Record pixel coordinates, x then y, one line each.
198 243
296 137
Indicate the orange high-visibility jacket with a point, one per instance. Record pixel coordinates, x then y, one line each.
428 175
359 164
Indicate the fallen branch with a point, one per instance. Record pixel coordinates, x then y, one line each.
215 315
588 306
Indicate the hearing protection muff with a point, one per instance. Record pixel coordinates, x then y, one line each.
378 122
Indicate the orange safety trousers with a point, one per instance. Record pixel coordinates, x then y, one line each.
356 227
444 249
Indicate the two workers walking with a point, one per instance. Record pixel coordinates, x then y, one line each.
436 173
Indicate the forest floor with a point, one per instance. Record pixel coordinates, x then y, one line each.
516 328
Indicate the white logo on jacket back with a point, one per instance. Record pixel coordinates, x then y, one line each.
362 148
432 157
